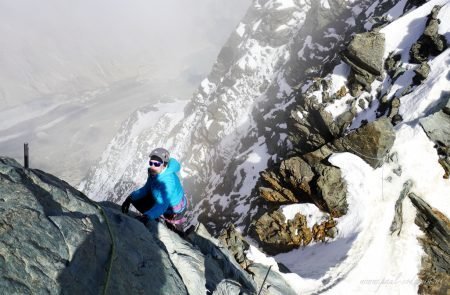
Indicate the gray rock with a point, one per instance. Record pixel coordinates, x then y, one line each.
431 42
362 103
365 53
396 119
218 258
55 240
275 284
311 132
332 188
435 272
422 73
397 171
297 173
396 225
229 287
437 125
392 63
371 142
395 107
344 120
236 244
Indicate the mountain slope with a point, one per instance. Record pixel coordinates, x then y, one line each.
301 80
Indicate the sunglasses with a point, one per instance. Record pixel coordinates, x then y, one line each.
155 163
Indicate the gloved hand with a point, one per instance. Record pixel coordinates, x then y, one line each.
126 205
143 218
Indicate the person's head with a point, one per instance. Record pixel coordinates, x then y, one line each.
158 160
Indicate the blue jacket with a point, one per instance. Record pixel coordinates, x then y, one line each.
165 187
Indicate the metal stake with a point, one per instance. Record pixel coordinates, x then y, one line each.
25 155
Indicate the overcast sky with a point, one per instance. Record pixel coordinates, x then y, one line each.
55 46
82 67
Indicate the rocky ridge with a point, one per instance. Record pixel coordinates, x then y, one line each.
55 240
314 127
435 273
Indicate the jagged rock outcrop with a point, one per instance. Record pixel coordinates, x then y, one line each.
364 54
431 42
236 244
397 222
53 239
332 189
310 178
371 142
437 128
421 72
435 272
276 191
311 126
278 235
297 176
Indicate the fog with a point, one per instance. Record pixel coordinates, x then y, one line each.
72 71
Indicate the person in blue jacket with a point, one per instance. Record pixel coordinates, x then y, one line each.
162 195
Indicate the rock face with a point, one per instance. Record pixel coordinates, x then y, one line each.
236 244
310 178
370 142
280 235
53 239
431 42
365 56
332 189
435 273
365 52
437 128
277 235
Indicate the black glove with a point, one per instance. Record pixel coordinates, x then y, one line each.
143 218
126 205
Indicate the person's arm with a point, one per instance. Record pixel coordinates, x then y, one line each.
142 192
160 206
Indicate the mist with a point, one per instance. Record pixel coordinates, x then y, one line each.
72 72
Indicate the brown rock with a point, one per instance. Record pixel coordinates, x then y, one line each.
435 272
277 235
297 173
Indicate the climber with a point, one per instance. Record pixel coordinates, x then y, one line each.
162 197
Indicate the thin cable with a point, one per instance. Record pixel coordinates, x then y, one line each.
113 246
267 274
